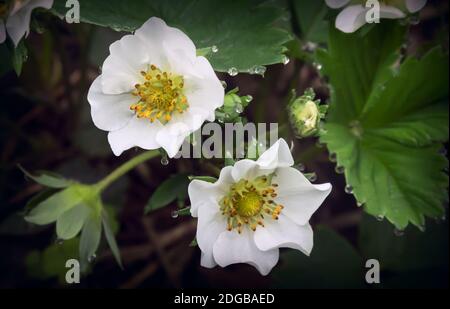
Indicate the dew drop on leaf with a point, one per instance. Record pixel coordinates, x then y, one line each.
398 232
332 157
232 71
174 214
301 167
248 98
286 60
380 218
348 189
339 169
224 84
214 49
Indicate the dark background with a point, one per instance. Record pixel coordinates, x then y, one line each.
45 125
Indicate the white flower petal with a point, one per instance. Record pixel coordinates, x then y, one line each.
109 112
278 155
232 248
18 23
211 223
351 18
138 133
244 169
299 197
118 77
203 192
2 32
414 6
158 35
336 4
284 233
390 12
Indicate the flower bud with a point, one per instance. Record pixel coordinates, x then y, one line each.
305 114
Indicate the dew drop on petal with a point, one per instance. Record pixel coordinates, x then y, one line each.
312 177
165 161
232 71
214 49
398 232
339 169
301 167
348 189
174 214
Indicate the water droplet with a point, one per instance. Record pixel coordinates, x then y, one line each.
317 66
348 189
239 109
398 232
92 258
339 169
286 60
301 167
59 241
319 144
233 71
361 204
414 20
214 49
292 146
312 177
248 99
174 214
332 157
224 84
164 161
380 218
260 70
309 47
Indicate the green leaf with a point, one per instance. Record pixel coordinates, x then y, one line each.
49 210
384 121
310 16
20 55
410 259
333 263
48 179
109 234
90 238
174 188
69 224
203 178
243 31
51 262
408 251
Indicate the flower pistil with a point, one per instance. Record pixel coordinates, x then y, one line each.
160 95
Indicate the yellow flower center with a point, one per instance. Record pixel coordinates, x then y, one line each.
160 95
249 203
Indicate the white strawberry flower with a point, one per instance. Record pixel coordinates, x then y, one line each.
15 17
255 208
153 90
353 16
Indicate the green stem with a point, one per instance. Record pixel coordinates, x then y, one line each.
125 168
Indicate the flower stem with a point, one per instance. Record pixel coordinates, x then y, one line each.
125 168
